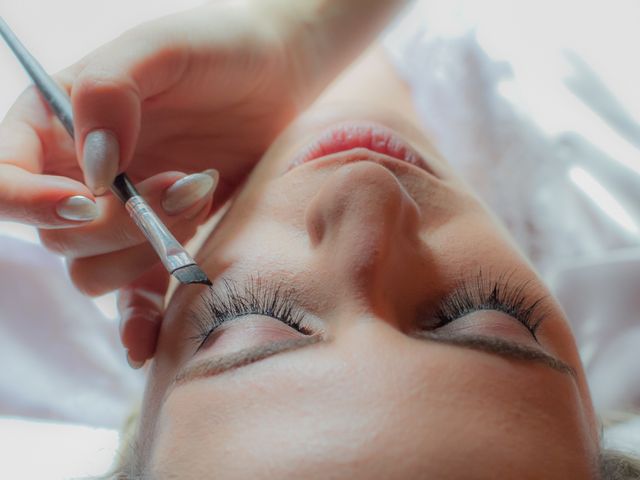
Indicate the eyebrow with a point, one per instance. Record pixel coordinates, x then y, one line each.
502 347
498 346
213 366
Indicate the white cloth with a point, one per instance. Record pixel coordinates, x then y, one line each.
529 112
61 357
551 145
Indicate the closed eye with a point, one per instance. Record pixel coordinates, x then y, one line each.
480 293
254 297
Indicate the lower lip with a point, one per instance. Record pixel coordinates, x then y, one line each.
372 136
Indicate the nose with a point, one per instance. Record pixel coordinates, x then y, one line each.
365 226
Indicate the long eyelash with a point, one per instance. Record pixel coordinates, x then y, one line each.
233 300
499 294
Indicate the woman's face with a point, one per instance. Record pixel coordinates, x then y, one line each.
368 319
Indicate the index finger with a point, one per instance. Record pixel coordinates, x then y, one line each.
32 142
30 135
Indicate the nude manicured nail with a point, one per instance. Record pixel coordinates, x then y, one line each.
213 173
134 364
186 192
77 208
101 158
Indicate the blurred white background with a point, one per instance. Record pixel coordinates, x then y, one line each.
543 42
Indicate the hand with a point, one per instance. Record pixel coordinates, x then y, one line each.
209 88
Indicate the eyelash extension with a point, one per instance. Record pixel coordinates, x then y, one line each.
498 294
264 298
231 301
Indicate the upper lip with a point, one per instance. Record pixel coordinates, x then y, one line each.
366 140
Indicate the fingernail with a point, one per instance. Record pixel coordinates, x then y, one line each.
213 173
78 208
186 192
101 158
133 363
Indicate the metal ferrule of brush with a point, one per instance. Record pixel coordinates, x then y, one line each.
171 253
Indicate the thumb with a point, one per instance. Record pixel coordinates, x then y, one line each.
107 97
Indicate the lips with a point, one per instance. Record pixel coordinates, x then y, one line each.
370 136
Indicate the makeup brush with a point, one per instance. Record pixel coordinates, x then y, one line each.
173 255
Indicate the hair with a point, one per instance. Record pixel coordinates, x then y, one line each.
615 465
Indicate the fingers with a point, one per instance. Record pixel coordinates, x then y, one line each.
30 138
175 197
28 131
99 274
107 97
45 201
141 304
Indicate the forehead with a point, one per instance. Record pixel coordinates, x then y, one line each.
369 401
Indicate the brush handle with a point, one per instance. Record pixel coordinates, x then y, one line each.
171 253
57 98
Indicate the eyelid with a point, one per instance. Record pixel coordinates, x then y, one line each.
491 323
246 332
228 300
499 294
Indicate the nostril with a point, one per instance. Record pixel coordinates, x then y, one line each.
363 225
365 201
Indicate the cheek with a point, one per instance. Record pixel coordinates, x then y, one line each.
261 242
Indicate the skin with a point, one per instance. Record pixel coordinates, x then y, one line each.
207 88
370 400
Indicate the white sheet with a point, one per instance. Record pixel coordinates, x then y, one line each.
539 114
61 357
38 450
532 107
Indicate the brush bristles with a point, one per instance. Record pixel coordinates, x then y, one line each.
191 274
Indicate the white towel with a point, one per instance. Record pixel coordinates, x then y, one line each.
61 357
540 115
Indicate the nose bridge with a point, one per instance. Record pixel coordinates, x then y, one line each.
357 222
